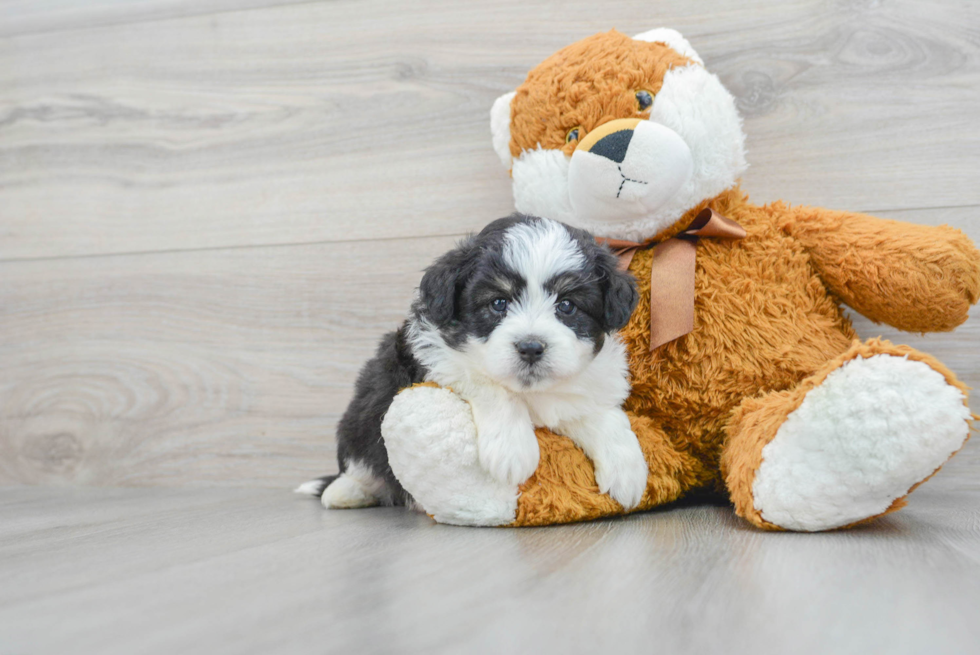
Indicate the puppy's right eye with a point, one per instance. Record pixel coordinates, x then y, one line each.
573 134
499 305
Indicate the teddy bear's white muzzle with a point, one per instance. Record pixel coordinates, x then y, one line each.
631 171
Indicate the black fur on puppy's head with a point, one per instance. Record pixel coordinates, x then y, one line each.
532 299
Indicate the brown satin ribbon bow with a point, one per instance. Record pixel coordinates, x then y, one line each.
672 272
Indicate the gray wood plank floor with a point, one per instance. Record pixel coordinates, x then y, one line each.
211 210
261 571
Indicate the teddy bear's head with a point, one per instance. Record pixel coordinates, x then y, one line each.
619 135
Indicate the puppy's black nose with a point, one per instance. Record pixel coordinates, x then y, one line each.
613 146
530 351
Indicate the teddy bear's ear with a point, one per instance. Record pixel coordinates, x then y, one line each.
500 128
672 38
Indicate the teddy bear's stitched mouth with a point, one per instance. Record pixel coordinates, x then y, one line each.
625 179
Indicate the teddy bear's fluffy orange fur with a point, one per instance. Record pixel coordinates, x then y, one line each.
768 328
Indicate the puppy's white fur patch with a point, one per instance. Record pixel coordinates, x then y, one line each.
541 250
356 487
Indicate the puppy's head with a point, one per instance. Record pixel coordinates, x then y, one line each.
619 136
527 302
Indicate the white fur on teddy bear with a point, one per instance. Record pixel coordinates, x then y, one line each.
872 429
432 449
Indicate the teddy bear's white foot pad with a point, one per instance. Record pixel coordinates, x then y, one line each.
873 429
432 449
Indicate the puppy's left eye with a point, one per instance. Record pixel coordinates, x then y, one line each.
566 307
499 305
644 99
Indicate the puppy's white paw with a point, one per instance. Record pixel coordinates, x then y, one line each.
622 473
620 469
608 440
508 452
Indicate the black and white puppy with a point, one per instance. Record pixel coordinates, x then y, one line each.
520 320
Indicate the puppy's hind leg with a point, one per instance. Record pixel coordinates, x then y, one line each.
357 486
315 487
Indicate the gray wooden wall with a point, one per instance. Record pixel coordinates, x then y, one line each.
211 209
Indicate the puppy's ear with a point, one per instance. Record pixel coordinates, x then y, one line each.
621 295
443 281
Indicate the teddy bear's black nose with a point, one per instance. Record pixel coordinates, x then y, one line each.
613 146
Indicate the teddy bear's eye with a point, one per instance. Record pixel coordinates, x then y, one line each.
644 99
573 134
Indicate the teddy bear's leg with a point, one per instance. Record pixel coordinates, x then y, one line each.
848 443
432 449
563 489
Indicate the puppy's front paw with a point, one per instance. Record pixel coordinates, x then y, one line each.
508 453
622 473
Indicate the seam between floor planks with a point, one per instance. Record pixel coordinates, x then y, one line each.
247 246
970 227
219 133
162 16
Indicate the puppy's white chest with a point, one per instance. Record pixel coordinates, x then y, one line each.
549 410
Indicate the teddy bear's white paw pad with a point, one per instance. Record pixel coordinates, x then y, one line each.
432 449
872 430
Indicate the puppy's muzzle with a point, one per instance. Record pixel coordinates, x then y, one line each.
530 350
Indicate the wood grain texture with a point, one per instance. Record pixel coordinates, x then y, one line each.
280 173
226 367
20 17
211 210
257 571
324 121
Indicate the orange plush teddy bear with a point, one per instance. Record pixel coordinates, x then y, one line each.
747 376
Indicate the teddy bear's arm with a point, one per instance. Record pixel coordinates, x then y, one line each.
564 487
914 277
